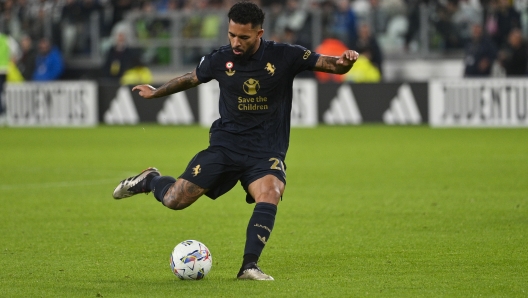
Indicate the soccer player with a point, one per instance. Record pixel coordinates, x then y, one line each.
248 143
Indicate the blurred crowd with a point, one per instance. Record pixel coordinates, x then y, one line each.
48 33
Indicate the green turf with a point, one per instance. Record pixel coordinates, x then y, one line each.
368 211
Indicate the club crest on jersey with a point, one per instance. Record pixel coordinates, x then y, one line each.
196 170
270 68
229 66
251 86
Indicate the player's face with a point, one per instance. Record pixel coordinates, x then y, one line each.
244 39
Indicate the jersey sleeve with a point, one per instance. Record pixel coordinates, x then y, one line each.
204 71
301 58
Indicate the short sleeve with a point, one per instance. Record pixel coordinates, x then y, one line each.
301 58
203 70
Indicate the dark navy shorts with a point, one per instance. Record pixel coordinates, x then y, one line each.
219 169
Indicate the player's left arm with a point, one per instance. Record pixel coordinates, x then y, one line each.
336 65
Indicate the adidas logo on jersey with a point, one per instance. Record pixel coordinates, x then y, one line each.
176 110
403 109
343 108
122 109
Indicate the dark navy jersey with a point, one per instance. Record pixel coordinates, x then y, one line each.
255 96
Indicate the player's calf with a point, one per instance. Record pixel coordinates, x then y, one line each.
176 194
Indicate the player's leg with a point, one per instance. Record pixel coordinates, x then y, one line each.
207 172
267 189
266 192
175 194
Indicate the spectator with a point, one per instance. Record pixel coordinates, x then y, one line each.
327 9
469 12
507 19
9 52
49 65
445 25
118 58
289 36
274 10
331 46
292 16
40 19
13 74
120 8
513 56
344 23
23 15
9 21
26 63
366 40
364 71
480 54
70 15
149 27
378 17
76 21
139 73
4 63
413 19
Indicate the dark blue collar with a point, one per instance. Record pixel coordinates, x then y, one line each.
260 52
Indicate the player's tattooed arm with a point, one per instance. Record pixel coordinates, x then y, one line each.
337 65
184 82
181 83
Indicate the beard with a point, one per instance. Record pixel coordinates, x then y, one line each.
242 57
246 54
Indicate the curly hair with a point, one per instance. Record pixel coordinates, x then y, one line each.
245 12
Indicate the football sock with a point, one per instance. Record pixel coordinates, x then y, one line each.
250 258
258 231
160 185
148 179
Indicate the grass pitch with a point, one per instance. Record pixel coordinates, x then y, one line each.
368 211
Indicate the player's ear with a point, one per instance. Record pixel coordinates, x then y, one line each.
260 32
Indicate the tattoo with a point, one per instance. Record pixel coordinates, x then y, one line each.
182 194
191 190
178 84
329 64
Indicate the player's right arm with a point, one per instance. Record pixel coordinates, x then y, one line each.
181 83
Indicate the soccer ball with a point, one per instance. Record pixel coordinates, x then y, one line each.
191 259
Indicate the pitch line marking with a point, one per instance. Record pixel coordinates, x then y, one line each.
63 184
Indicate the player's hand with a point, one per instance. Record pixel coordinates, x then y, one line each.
145 91
349 57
